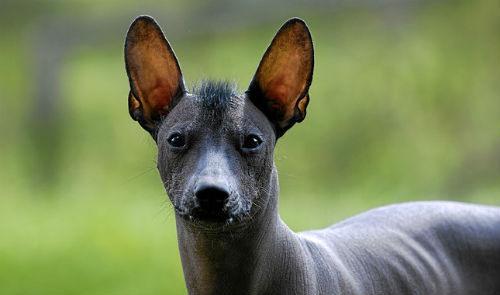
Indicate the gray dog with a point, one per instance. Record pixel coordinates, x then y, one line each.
215 158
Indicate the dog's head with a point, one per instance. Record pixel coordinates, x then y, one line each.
215 145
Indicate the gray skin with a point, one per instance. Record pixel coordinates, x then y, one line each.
215 158
413 248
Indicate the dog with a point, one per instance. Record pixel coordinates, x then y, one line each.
215 158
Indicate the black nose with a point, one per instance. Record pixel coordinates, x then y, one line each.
212 198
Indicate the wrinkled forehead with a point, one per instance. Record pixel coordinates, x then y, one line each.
215 95
217 106
217 101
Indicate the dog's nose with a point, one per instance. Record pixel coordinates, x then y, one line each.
211 197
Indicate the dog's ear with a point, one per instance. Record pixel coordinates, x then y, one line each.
281 84
156 81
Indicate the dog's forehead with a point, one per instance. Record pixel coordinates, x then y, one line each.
217 102
217 106
215 96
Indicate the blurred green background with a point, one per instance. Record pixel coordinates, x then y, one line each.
404 106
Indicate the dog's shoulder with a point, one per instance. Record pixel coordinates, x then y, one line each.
440 221
408 241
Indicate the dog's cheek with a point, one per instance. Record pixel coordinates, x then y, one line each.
169 186
259 175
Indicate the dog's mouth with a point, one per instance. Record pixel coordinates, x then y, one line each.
213 214
210 219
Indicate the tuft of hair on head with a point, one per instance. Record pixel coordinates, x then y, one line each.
215 95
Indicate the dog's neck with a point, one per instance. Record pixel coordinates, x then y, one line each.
240 259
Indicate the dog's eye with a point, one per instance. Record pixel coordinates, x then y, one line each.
176 140
251 142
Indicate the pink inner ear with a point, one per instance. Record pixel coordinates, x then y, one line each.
279 91
284 75
153 70
160 97
284 90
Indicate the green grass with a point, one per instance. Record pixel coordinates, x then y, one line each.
402 108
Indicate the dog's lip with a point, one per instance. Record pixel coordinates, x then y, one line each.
210 215
196 213
209 220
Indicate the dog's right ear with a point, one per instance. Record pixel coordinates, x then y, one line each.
280 87
156 81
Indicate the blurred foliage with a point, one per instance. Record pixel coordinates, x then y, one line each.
404 106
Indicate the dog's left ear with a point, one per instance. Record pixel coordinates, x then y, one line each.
156 82
281 84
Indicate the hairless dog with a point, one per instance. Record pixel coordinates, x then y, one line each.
215 158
